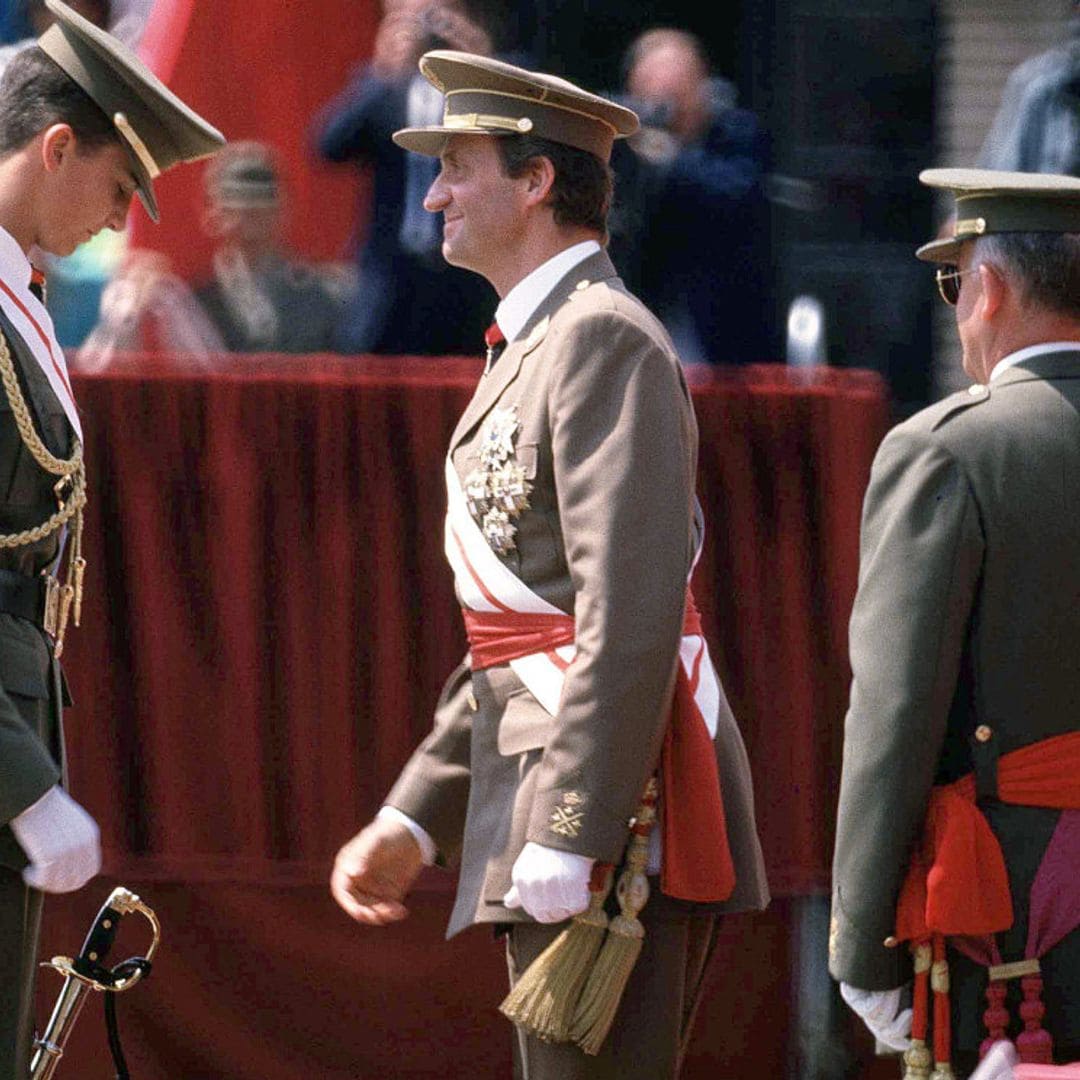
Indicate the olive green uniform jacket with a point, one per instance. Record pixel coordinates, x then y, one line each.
31 689
608 440
967 615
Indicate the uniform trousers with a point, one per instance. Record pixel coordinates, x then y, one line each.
20 925
649 1036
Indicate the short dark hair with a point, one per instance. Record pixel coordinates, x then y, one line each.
1046 264
581 192
36 93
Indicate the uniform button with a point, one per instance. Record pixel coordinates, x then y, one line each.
470 697
584 283
977 390
983 733
890 942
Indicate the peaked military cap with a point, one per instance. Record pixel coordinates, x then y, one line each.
484 96
989 201
156 127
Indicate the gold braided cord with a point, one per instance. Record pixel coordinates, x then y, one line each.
72 471
31 439
63 601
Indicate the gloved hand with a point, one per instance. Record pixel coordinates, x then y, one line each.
61 840
551 885
881 1012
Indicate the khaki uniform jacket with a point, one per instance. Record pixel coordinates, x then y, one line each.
967 616
608 440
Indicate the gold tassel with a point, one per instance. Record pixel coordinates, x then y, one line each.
917 1060
607 981
542 1000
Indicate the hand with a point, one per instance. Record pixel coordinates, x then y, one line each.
880 1011
61 840
551 885
374 871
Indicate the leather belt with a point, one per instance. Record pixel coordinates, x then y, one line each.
24 596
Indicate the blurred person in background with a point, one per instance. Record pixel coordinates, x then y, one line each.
408 300
1037 125
702 255
260 298
147 308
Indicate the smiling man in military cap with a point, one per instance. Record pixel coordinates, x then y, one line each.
572 531
961 778
84 126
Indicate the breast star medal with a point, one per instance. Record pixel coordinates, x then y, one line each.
497 490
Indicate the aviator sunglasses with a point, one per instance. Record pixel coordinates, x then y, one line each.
948 282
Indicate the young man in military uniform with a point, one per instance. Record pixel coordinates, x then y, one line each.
84 126
572 530
961 736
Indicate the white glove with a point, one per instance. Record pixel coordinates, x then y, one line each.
551 885
880 1012
61 840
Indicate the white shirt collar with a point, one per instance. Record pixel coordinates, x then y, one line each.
520 303
32 322
1021 355
15 267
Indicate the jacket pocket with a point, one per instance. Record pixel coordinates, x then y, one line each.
24 661
525 725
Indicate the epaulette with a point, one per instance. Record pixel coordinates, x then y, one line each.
976 394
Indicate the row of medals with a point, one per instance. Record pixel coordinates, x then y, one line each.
496 491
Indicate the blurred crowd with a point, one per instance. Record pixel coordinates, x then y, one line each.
691 230
689 186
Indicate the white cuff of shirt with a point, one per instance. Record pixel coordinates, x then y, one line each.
428 850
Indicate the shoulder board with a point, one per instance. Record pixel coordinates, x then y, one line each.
952 406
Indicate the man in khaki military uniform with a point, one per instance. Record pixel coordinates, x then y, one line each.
84 126
964 642
572 530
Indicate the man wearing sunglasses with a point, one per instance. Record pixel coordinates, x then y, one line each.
955 893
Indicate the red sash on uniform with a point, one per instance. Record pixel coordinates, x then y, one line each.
696 860
957 884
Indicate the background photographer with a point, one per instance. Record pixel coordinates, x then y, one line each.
693 180
408 299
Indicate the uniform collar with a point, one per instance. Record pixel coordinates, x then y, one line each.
521 302
1028 353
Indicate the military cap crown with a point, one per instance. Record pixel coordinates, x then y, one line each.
485 96
990 201
157 129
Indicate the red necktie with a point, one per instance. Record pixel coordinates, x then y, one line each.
495 341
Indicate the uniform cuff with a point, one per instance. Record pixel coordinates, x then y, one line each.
428 850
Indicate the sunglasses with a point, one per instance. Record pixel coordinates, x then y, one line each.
948 282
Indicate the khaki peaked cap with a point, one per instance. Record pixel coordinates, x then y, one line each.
484 96
156 128
989 201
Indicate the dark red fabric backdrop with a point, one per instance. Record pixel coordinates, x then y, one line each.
267 623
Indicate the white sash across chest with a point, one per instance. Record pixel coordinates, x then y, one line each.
484 583
34 325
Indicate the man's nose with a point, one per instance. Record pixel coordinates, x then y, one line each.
437 197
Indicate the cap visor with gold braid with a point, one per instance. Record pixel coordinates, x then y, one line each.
484 96
157 129
990 201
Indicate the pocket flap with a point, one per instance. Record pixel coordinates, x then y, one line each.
24 665
525 725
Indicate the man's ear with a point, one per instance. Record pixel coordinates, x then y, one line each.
995 289
540 177
56 141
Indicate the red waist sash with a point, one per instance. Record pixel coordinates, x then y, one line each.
696 862
957 883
